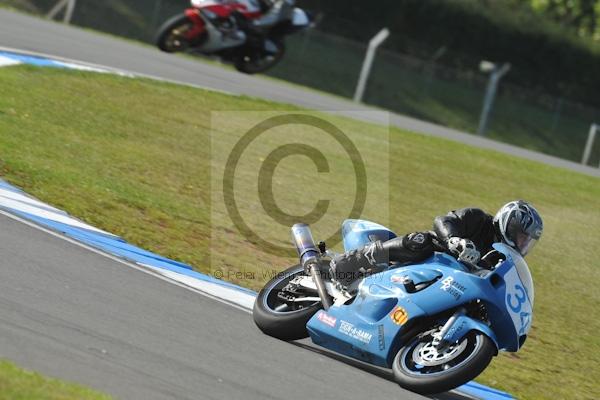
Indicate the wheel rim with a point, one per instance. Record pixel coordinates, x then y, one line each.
422 358
426 354
272 302
259 61
176 39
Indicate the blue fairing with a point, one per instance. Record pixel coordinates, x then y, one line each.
371 327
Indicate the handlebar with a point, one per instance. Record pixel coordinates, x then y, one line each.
440 247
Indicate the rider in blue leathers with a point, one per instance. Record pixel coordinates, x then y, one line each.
465 233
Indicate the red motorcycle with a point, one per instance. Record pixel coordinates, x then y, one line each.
247 33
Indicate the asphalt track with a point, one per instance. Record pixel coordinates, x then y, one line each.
36 34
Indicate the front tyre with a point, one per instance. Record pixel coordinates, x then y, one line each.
278 316
421 367
172 35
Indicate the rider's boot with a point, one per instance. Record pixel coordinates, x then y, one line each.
348 267
376 256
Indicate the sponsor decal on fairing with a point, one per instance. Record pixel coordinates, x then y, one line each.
327 319
349 329
399 316
454 288
381 337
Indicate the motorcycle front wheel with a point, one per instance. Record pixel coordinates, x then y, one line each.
420 367
171 36
277 315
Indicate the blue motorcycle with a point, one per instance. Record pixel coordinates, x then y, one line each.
436 324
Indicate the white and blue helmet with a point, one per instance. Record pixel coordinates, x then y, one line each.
519 225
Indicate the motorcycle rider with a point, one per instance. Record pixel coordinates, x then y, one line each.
465 233
272 12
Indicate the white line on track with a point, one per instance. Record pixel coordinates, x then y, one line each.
42 211
6 61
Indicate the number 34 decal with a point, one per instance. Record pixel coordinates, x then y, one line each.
515 302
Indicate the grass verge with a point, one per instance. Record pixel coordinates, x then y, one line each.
133 156
17 383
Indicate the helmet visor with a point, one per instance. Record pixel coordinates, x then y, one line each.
524 243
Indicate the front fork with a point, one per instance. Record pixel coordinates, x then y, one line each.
459 325
446 334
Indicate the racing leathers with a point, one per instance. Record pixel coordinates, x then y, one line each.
466 233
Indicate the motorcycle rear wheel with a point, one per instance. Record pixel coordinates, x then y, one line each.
422 368
255 61
276 318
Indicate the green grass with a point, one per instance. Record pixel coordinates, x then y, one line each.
135 157
20 384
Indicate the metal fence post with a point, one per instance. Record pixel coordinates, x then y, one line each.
69 11
67 5
587 151
490 94
374 43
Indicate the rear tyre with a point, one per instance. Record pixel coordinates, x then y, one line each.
422 368
255 61
278 318
171 36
